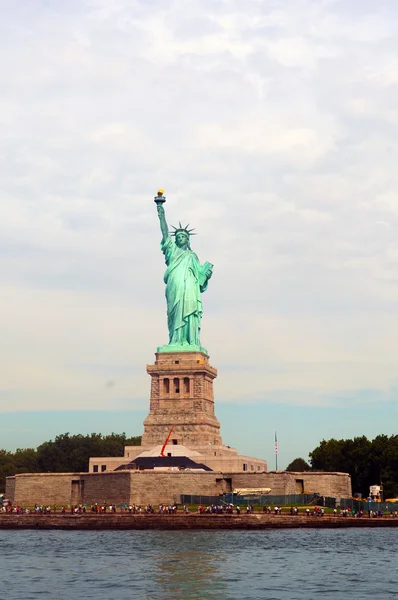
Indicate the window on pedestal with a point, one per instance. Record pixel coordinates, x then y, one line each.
186 385
245 466
95 468
103 468
176 385
166 385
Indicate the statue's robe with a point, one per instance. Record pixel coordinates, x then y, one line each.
185 280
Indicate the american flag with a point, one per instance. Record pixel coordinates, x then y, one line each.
276 444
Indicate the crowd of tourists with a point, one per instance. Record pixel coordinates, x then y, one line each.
223 509
373 514
96 508
103 508
19 510
172 509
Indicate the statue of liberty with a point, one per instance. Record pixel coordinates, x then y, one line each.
185 280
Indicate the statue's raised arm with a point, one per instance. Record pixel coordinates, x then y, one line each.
186 279
163 223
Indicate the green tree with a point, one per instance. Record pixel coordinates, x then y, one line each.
22 461
71 453
328 456
385 464
6 467
298 464
368 462
25 460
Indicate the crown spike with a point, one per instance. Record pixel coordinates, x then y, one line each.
184 229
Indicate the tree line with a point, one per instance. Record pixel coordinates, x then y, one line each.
66 454
369 462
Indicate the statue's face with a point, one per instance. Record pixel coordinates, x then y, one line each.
182 239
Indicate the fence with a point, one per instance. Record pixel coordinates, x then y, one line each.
290 500
384 507
202 500
267 500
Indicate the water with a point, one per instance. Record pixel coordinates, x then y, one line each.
206 565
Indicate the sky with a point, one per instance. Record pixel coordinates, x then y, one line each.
272 127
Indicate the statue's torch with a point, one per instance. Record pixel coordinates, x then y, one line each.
160 199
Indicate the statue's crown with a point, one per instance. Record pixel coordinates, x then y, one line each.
183 229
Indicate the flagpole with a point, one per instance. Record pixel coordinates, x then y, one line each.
276 452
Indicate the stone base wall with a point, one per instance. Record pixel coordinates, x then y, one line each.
10 488
139 487
154 487
41 488
335 485
112 488
68 488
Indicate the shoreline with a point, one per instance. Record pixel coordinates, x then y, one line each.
126 521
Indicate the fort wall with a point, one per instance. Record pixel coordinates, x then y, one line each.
154 487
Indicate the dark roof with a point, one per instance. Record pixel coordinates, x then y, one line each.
150 462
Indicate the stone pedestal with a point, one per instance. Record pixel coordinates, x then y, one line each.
182 397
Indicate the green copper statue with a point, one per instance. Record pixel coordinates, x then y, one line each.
185 280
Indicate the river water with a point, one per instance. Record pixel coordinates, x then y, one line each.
207 565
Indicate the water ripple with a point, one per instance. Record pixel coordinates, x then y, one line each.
219 565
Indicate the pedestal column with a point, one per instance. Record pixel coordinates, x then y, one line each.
182 397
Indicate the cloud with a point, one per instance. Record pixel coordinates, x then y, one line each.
272 129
